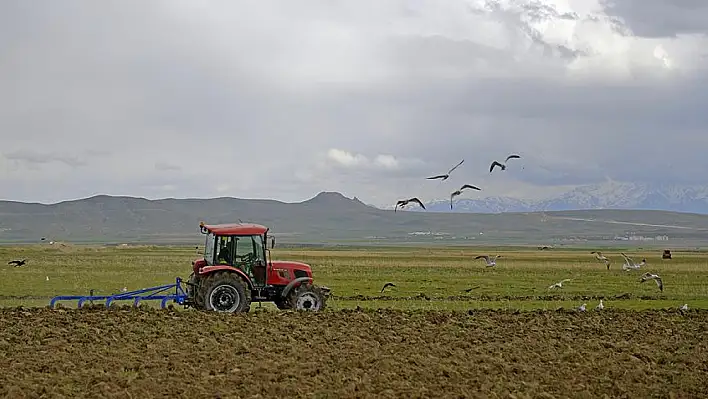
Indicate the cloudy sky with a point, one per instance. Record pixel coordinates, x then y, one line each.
283 99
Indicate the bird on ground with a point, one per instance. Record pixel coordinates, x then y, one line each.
459 192
490 261
502 166
602 257
387 285
684 307
17 263
445 176
403 203
558 284
582 307
470 289
630 264
600 306
655 277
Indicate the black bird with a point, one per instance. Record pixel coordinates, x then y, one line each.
403 203
387 285
458 192
446 175
17 263
470 289
502 165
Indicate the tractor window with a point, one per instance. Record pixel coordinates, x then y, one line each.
209 248
258 247
244 247
225 250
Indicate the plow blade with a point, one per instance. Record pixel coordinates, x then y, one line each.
153 293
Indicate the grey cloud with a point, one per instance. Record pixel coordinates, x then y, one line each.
234 102
165 166
38 157
661 18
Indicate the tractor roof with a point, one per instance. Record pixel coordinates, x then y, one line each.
235 228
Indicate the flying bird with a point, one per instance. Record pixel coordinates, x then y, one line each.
470 289
490 261
446 175
655 277
17 263
502 165
630 264
387 285
403 203
602 257
558 284
458 192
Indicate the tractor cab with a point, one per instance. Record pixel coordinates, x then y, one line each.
242 246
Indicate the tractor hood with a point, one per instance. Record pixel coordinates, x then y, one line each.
288 264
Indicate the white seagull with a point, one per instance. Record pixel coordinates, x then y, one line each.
582 307
490 261
458 192
602 257
558 284
502 165
630 264
600 306
684 307
655 277
445 176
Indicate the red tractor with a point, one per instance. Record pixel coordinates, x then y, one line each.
236 270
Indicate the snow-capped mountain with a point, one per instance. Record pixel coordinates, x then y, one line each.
609 195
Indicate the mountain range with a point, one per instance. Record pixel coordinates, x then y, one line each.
608 195
330 217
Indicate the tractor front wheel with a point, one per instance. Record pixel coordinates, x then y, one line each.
307 297
224 292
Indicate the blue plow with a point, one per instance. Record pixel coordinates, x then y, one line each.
153 293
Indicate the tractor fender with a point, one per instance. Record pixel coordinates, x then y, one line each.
215 268
292 284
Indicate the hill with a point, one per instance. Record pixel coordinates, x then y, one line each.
328 218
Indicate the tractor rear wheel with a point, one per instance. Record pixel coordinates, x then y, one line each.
224 292
307 297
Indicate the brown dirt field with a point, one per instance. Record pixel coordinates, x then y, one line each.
145 353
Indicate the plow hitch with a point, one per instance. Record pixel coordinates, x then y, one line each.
161 292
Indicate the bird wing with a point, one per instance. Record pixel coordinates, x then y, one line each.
565 280
485 257
512 156
417 201
436 177
495 163
628 259
470 186
455 167
659 283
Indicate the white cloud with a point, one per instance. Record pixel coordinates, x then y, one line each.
345 158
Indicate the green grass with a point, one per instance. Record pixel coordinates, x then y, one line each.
425 278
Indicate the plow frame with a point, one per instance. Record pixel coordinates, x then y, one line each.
153 293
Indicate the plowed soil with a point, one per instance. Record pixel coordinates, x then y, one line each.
144 353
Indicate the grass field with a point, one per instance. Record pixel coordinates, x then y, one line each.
426 337
425 278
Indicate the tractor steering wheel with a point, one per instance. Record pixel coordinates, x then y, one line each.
248 258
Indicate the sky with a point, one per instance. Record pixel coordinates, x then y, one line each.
284 99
